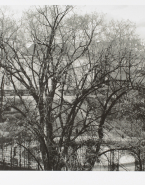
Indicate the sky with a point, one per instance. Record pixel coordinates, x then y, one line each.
134 10
134 13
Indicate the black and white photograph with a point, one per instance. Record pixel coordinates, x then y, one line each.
72 88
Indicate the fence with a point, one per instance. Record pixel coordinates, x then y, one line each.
16 157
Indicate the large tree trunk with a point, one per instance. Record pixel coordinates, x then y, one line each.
45 157
91 159
45 138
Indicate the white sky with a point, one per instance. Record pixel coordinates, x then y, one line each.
133 10
135 13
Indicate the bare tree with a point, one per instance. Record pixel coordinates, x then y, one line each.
52 53
69 53
117 68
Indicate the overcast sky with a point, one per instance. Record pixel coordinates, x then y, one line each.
135 13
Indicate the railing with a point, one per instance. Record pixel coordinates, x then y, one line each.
15 157
7 166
